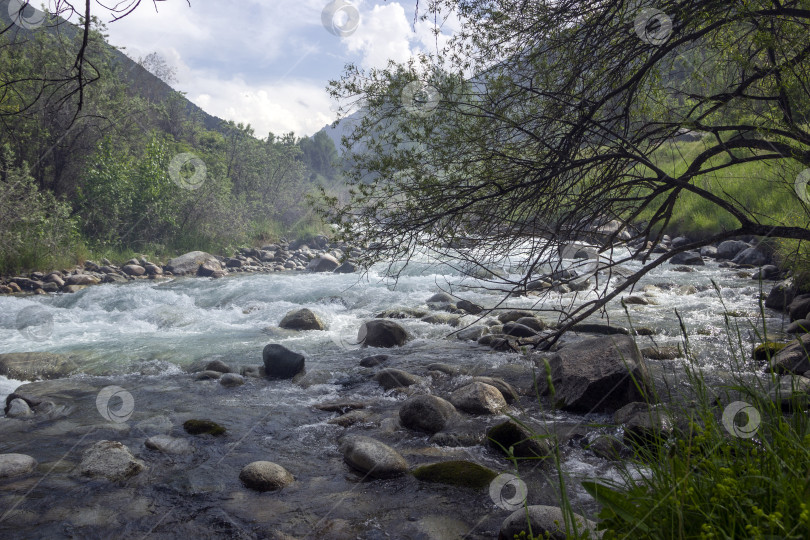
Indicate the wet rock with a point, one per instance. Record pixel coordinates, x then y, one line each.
382 333
265 476
478 398
781 295
802 326
301 319
685 290
472 333
82 279
688 258
395 378
351 418
598 328
506 389
524 443
730 248
346 268
168 444
607 447
323 263
211 268
111 460
371 457
456 473
402 313
218 365
203 427
751 256
440 318
643 423
18 408
281 363
231 380
518 330
207 375
767 350
635 300
31 366
440 298
469 307
544 520
800 307
767 272
341 406
134 270
793 358
532 322
373 361
189 263
599 374
456 440
514 315
16 465
426 413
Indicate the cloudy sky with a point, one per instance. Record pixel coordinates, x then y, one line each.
267 62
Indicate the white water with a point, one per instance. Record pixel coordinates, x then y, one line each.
154 327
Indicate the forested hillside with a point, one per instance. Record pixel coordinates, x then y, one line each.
121 162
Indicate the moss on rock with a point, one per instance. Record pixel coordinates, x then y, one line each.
766 350
456 473
203 427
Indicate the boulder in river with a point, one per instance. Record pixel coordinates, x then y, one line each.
323 263
514 315
301 319
371 457
16 465
730 248
373 361
281 363
751 256
346 268
82 279
426 413
515 329
793 358
111 460
167 444
395 378
799 308
781 295
189 263
265 476
456 473
599 328
134 270
469 307
688 258
545 522
478 398
523 442
30 366
382 333
472 333
599 374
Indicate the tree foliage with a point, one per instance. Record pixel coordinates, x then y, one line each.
543 123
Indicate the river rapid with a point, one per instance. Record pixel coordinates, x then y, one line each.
143 336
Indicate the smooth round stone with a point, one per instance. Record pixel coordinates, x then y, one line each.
373 458
231 380
265 476
16 464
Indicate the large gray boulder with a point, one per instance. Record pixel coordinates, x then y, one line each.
301 319
189 263
30 366
751 256
599 374
782 294
687 257
730 248
426 413
371 457
281 363
111 460
478 398
382 333
544 520
395 378
793 358
265 476
16 465
323 263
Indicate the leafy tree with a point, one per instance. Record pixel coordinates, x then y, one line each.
558 121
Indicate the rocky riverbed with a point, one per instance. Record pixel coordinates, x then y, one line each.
248 407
